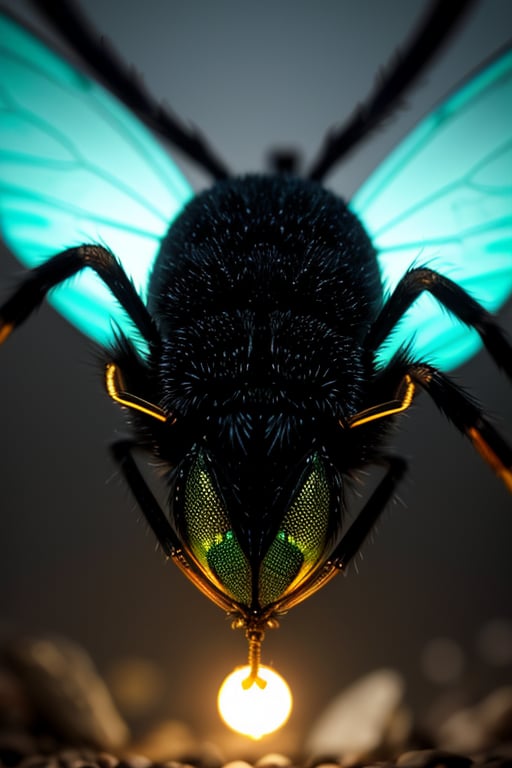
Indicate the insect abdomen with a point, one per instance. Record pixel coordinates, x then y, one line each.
264 285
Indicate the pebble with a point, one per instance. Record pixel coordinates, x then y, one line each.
107 761
273 760
135 761
64 686
496 713
358 720
477 728
237 764
326 765
430 758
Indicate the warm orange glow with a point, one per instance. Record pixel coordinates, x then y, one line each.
486 452
254 711
5 331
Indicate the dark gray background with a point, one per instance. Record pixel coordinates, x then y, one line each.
75 557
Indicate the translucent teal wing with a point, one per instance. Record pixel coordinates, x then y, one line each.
76 166
444 198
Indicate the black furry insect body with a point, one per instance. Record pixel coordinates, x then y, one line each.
265 289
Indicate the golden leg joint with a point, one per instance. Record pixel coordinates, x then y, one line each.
115 388
404 398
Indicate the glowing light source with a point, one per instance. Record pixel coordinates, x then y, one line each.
254 711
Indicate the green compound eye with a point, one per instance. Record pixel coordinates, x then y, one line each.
210 535
229 564
295 551
279 568
301 541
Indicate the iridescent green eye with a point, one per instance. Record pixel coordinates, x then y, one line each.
301 540
295 551
210 535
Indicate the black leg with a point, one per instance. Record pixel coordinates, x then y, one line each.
451 296
462 411
100 57
465 414
171 545
388 95
356 535
42 279
122 453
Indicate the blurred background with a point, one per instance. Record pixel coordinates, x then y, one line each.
76 558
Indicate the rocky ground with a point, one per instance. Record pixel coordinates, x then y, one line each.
57 712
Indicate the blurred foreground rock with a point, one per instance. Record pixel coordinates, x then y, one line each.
480 727
365 720
62 686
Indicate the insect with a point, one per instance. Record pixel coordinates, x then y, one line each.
255 376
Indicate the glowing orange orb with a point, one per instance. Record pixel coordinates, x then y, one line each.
254 711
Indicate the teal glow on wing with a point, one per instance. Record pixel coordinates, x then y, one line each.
443 198
77 167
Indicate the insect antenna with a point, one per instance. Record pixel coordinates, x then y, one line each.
439 23
113 72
